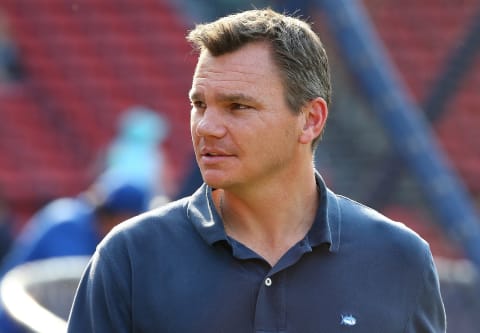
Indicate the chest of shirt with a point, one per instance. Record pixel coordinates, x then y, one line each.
317 294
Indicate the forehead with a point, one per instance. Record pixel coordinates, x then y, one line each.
249 68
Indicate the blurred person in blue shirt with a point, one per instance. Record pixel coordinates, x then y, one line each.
74 226
136 152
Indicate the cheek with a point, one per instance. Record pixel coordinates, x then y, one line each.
282 139
193 123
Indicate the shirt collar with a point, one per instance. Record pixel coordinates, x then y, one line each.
325 229
202 213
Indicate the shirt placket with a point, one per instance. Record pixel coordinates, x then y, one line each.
271 306
270 311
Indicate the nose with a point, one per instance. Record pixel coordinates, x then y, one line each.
208 123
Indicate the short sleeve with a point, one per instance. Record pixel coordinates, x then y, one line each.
102 301
428 315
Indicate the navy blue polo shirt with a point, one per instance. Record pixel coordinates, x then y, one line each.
174 269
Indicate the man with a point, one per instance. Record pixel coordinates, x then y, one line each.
263 245
73 227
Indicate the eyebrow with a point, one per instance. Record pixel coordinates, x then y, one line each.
235 97
194 95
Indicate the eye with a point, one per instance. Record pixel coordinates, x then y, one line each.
198 104
238 106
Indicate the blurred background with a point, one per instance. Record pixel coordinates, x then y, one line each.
403 134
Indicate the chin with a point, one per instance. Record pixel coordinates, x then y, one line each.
215 183
213 178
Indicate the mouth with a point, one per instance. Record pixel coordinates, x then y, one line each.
212 152
211 156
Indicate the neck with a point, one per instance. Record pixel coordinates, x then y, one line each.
270 220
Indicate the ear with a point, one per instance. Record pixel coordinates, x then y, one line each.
315 114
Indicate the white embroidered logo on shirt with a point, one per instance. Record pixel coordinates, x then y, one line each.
348 320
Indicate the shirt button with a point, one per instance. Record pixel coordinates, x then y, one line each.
268 282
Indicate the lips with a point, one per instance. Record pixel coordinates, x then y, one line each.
212 152
213 155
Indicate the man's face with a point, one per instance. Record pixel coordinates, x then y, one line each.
242 129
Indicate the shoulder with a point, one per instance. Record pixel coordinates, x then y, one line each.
164 235
63 210
159 224
375 232
168 215
59 214
357 217
385 249
394 260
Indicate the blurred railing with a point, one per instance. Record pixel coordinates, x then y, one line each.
38 295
